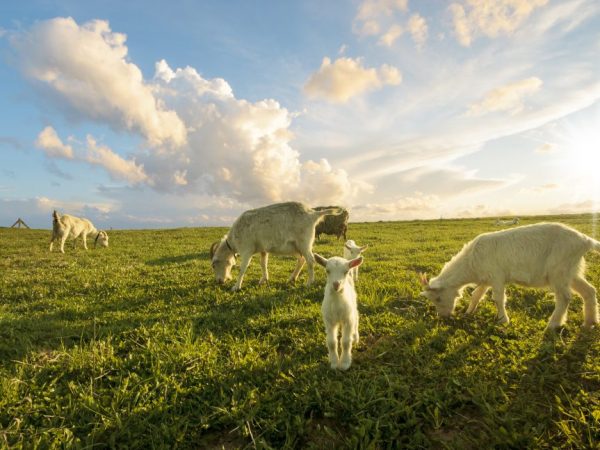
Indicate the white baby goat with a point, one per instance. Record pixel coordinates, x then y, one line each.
351 251
540 255
339 308
66 226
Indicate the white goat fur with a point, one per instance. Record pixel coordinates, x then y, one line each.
351 251
540 255
282 228
67 226
339 309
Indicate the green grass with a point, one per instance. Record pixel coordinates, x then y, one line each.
136 347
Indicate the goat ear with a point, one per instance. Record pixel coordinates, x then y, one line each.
363 248
355 262
322 261
423 279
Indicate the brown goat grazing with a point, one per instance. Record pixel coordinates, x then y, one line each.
333 225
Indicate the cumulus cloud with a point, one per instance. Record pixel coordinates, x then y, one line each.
94 153
490 18
383 18
115 165
236 147
346 77
199 138
49 142
372 9
407 207
391 35
417 27
507 98
86 68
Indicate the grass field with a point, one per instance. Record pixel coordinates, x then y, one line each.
136 347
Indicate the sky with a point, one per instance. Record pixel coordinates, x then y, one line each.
147 114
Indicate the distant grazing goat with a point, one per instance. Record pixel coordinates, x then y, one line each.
282 228
351 251
66 226
339 310
540 255
333 225
514 221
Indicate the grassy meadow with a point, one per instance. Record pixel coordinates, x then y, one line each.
136 347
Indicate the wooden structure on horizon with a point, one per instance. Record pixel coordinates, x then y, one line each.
19 224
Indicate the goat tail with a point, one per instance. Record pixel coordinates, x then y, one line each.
595 245
55 215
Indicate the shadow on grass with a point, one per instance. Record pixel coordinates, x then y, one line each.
177 259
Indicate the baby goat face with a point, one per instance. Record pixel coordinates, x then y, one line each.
338 271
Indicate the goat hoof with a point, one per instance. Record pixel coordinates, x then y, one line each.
344 365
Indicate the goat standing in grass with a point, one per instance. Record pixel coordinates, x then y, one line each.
67 226
339 308
540 255
282 228
351 251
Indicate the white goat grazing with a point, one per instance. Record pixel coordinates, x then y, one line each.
351 251
66 226
514 221
540 255
282 228
339 308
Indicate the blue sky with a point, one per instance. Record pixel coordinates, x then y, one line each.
146 115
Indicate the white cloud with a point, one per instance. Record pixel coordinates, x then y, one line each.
490 18
93 153
372 9
445 182
346 77
392 34
507 98
562 17
235 147
200 138
417 205
382 18
52 145
86 68
417 27
115 165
